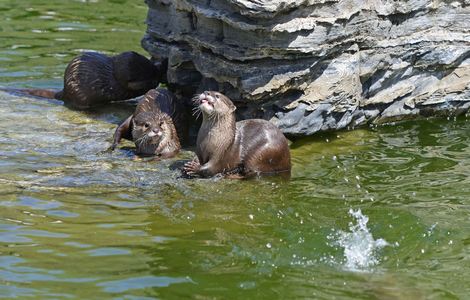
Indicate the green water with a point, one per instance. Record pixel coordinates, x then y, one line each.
77 222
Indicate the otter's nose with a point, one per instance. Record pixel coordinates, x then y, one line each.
202 96
154 132
157 132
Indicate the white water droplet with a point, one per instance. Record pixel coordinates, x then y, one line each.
268 245
250 216
360 247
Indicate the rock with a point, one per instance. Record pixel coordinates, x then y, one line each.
311 65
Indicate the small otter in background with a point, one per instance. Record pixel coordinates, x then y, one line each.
237 149
92 79
151 127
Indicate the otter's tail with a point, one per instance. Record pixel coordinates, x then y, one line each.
50 94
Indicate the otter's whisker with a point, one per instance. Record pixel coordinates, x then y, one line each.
196 112
140 139
195 99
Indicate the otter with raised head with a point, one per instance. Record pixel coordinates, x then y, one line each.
92 79
246 148
151 126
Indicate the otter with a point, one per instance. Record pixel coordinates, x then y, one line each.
241 149
151 126
154 134
92 79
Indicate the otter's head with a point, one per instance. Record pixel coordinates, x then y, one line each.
135 72
149 128
212 103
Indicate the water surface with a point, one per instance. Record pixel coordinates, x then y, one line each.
374 213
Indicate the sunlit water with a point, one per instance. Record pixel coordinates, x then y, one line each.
375 213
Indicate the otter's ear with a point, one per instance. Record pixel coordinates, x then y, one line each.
232 107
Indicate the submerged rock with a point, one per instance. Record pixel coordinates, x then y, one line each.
318 64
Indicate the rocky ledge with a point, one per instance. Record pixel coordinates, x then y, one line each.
311 65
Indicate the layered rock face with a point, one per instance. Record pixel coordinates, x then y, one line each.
311 65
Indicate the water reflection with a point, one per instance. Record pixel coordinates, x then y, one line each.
125 285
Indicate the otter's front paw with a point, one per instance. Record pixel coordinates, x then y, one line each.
191 168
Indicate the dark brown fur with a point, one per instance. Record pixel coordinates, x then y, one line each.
93 79
157 112
164 142
246 148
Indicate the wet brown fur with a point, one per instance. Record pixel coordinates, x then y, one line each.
92 79
159 111
164 146
246 148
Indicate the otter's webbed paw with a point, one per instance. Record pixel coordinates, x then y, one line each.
191 168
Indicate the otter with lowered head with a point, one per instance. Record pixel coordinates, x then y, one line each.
151 127
92 79
246 148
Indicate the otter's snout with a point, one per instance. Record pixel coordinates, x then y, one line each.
155 132
206 101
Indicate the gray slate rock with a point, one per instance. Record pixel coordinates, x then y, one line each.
311 65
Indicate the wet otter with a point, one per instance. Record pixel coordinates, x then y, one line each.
245 148
92 79
151 126
155 134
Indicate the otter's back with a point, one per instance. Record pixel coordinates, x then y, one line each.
263 147
89 80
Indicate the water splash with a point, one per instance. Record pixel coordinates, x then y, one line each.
360 248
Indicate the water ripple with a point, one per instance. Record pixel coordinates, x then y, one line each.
124 285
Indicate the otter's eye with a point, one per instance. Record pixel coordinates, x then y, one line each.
217 96
147 125
161 124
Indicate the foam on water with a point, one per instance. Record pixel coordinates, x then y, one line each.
360 247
